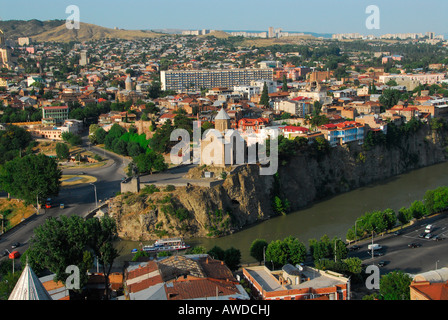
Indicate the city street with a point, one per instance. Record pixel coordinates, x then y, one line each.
78 200
428 255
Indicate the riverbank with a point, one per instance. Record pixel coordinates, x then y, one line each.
332 216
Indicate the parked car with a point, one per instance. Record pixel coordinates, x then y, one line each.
429 236
429 228
375 253
422 235
438 237
374 246
15 245
14 255
397 233
5 253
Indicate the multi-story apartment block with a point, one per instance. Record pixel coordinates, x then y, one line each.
422 78
197 79
58 113
344 132
298 106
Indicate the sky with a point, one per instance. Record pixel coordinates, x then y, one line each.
320 16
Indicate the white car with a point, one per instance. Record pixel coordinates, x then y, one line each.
428 236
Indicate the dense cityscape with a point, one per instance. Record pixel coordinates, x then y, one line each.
130 161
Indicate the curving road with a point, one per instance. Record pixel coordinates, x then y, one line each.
78 200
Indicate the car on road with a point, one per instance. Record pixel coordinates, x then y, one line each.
48 203
375 253
429 236
15 245
14 255
355 247
414 245
5 253
397 233
382 263
374 246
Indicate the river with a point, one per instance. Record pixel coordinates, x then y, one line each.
333 216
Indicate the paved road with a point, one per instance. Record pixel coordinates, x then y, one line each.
397 254
172 176
78 200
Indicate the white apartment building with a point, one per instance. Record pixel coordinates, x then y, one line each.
422 78
196 79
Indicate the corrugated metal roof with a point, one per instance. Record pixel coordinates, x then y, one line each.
29 287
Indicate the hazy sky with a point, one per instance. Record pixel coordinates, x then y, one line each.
322 16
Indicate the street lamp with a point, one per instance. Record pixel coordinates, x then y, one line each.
96 198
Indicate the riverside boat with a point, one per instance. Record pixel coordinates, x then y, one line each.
173 244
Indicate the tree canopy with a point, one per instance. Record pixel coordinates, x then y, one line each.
30 177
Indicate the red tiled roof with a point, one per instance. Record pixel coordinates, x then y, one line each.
54 107
300 98
295 129
167 116
433 291
200 288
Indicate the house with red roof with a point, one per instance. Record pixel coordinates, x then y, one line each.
291 132
186 277
247 125
297 283
430 285
344 132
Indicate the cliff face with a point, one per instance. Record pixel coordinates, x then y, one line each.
245 197
348 167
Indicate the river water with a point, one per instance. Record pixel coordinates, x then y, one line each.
333 216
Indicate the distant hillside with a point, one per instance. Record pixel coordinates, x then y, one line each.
14 29
88 32
55 30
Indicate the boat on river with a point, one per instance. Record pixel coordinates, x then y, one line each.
172 244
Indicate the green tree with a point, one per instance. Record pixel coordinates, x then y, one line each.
257 249
217 253
232 258
417 209
285 84
390 98
395 286
62 150
197 250
264 99
101 236
100 135
58 243
31 177
288 250
149 162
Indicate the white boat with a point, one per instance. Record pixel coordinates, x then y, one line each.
173 244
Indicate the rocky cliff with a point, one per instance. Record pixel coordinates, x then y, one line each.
245 197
